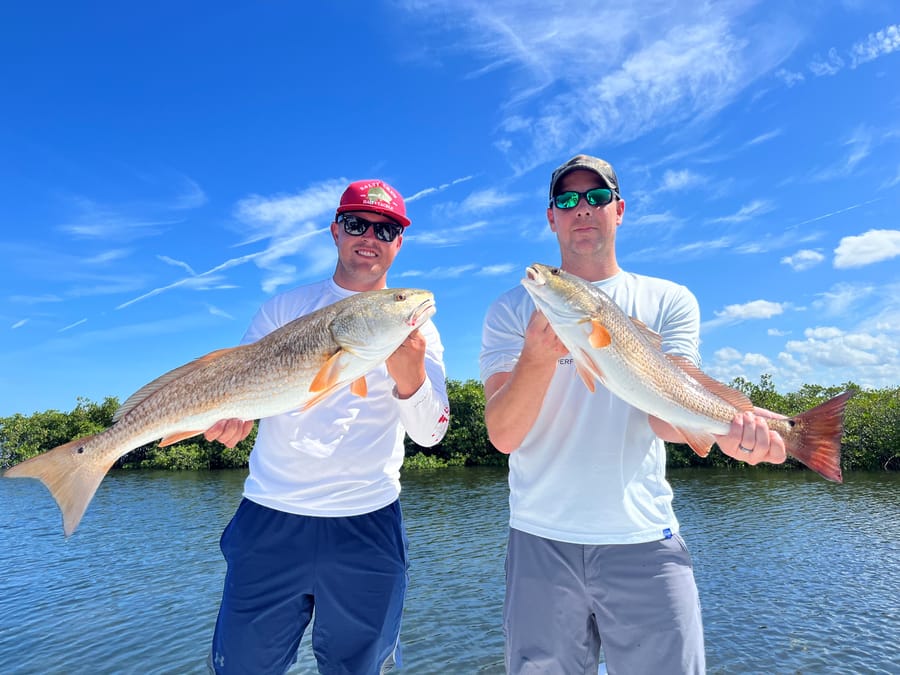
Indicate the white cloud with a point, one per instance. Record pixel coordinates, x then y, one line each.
803 260
877 44
757 309
868 248
728 354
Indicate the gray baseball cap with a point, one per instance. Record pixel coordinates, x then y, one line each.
599 166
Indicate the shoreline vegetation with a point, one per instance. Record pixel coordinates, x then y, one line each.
871 440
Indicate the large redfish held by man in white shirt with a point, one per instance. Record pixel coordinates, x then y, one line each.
626 357
287 370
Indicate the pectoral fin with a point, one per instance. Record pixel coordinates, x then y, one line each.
328 379
599 337
329 374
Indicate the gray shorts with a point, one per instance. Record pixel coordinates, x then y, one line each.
563 600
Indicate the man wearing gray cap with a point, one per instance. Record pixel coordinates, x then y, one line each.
594 554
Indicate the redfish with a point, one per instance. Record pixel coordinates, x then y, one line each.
625 356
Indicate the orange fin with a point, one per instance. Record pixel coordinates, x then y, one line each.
71 473
329 374
588 370
179 436
700 441
359 387
587 377
151 388
599 337
818 444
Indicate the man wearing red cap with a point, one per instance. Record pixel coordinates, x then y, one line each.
320 526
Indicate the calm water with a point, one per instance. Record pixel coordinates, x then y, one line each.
796 575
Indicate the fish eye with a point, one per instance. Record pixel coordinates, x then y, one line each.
400 297
555 271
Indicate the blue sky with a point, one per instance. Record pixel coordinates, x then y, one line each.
165 167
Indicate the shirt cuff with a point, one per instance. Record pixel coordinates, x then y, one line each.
418 398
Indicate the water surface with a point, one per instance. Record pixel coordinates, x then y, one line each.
796 575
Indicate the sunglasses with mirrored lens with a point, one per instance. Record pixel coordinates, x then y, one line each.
356 227
596 197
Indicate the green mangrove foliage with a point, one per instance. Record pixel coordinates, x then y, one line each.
871 439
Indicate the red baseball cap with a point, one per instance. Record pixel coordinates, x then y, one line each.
374 195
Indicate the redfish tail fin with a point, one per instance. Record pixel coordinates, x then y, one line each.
819 444
71 479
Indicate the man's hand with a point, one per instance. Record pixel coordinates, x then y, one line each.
407 365
229 432
541 342
750 439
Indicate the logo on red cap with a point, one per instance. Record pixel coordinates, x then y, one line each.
374 195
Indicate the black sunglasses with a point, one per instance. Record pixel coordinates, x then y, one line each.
356 227
596 197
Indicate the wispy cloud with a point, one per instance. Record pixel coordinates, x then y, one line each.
448 236
650 79
19 324
842 298
834 213
747 212
441 272
803 260
764 138
177 263
95 221
679 180
218 311
35 299
434 190
72 325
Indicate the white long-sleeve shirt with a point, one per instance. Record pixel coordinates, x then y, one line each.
342 456
591 470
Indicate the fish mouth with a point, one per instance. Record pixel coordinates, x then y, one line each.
422 313
533 276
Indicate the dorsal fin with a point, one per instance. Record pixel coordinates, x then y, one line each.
723 391
652 336
151 388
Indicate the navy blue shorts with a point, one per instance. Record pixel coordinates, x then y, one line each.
351 570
